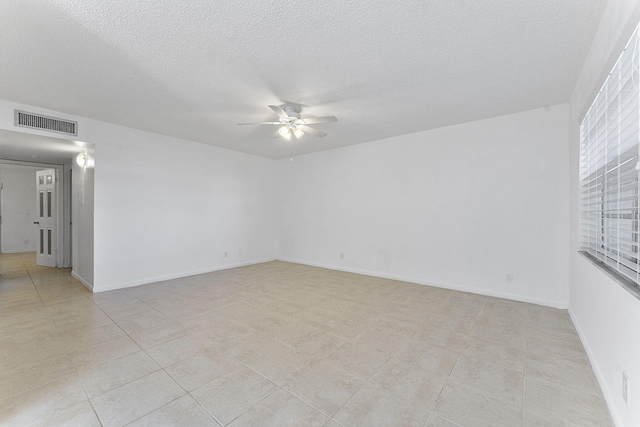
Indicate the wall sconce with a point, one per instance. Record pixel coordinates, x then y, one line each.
81 159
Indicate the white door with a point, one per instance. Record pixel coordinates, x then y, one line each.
46 205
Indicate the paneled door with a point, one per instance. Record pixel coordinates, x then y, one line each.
46 208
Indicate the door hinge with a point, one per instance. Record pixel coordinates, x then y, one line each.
1 185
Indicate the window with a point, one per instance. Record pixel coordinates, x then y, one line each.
609 170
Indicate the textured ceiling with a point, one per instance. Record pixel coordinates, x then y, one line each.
193 69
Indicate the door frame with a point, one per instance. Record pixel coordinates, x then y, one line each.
63 255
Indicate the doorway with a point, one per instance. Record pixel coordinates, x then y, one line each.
24 207
33 152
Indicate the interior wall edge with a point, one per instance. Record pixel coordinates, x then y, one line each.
85 283
104 288
419 281
593 361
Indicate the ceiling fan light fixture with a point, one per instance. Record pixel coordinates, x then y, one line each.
291 124
285 133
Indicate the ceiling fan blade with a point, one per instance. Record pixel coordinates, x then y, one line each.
315 120
312 131
279 111
261 123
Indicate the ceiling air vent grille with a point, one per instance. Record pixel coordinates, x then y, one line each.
51 124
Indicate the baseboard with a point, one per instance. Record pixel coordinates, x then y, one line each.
178 275
20 251
453 287
81 280
608 397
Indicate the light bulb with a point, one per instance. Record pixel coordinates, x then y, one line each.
81 159
285 133
298 133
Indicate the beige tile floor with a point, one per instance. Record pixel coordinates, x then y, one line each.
281 344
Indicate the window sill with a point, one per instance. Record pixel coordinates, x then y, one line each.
627 284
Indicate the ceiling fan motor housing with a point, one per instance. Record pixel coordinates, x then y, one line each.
291 111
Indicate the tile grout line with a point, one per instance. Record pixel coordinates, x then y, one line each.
75 369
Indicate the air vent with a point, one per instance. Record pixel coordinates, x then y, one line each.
51 124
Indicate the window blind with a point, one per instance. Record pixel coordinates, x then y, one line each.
609 143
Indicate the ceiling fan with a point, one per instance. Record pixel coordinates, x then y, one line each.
291 124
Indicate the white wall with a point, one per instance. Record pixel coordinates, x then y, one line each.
18 208
82 194
456 207
166 207
607 316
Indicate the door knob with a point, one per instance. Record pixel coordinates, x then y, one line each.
36 222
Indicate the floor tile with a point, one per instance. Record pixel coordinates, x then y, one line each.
158 335
178 349
115 373
280 409
228 396
344 328
574 373
81 415
24 321
26 348
122 313
317 343
201 368
494 378
441 337
545 346
358 360
509 337
372 406
566 404
135 399
536 419
365 350
84 319
491 351
143 322
114 300
382 340
427 356
104 352
565 333
412 383
462 323
35 375
42 402
470 407
437 421
183 411
80 340
324 387
225 333
280 364
249 346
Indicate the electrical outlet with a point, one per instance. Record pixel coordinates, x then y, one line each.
226 254
341 255
508 277
26 242
625 387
